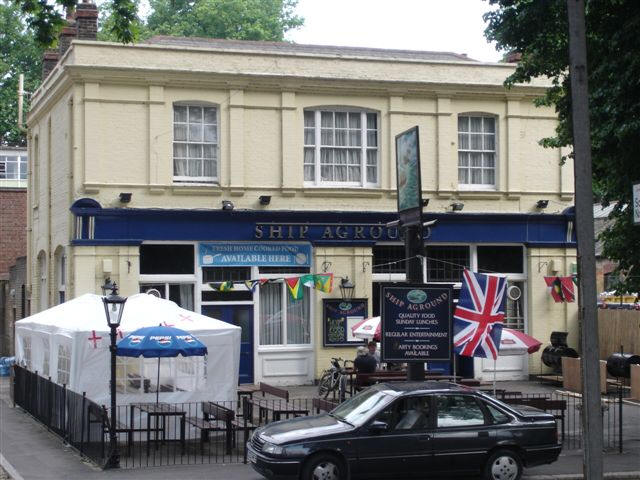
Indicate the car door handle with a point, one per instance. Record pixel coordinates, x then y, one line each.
424 438
483 434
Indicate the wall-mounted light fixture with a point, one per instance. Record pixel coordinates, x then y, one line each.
227 205
125 197
425 202
265 199
346 289
457 206
542 204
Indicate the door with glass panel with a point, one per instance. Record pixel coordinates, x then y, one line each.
242 316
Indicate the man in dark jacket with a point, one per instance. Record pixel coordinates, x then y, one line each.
364 363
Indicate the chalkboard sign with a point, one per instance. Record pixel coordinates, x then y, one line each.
338 316
416 323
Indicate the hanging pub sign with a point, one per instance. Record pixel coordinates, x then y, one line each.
338 316
408 177
416 322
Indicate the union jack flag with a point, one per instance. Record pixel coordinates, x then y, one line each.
477 320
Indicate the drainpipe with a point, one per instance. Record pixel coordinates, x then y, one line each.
20 101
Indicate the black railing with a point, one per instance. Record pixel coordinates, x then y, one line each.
154 434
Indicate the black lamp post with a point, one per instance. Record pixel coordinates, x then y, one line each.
346 289
113 308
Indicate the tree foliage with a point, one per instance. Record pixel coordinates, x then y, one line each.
237 19
538 29
19 53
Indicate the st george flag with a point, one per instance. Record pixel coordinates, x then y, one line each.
477 320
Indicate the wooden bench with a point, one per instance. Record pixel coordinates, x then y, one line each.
367 379
275 391
543 404
216 418
322 405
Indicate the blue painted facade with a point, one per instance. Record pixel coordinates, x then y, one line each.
132 226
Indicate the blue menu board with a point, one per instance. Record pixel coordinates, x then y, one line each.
416 323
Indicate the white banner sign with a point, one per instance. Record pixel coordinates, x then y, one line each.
636 204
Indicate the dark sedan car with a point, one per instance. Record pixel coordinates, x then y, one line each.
399 430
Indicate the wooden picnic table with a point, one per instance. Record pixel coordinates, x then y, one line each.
277 407
159 411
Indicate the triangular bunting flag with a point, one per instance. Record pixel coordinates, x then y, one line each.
251 284
221 286
295 288
324 282
308 280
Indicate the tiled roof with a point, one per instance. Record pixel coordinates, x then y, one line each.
294 48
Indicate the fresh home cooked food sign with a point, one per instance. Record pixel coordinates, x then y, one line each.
416 323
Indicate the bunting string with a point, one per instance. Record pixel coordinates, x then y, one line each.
321 281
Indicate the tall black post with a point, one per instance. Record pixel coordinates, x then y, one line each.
114 455
414 250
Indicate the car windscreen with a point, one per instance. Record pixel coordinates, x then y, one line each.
359 409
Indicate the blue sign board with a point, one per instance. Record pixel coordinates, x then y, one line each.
227 254
416 323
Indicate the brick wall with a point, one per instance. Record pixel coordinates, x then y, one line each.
13 224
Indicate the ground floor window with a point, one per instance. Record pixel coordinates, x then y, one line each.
284 321
180 293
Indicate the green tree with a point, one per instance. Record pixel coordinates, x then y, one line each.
538 29
19 53
237 19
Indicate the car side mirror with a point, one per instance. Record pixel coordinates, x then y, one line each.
377 427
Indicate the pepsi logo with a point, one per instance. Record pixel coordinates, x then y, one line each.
136 339
187 338
163 340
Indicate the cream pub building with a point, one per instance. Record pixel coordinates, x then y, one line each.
180 162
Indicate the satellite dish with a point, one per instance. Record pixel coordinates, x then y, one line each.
514 293
155 292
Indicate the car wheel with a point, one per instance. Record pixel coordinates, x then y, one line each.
323 467
503 465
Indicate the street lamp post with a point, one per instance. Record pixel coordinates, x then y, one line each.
113 308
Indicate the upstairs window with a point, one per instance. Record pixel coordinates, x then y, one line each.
195 143
477 152
341 148
13 167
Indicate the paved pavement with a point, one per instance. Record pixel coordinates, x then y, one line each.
29 452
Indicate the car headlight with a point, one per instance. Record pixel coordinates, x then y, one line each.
272 449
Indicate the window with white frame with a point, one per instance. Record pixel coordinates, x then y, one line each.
284 321
341 147
64 364
13 167
195 143
477 151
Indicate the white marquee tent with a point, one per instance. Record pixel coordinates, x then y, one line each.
70 344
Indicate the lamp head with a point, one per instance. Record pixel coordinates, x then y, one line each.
457 206
113 305
542 204
227 205
347 289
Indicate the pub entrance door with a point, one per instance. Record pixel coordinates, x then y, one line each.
242 316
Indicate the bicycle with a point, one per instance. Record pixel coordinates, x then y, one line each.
334 379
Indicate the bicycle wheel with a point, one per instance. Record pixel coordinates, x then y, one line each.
324 385
342 388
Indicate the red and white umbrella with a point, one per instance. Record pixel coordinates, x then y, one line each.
514 342
367 329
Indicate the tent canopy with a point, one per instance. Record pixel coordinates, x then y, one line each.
70 343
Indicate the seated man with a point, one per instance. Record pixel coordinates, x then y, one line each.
364 363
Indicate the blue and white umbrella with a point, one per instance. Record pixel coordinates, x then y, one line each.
158 342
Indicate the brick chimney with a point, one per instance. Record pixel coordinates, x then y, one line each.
513 57
49 61
67 34
87 20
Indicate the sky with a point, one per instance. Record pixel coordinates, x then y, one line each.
435 25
